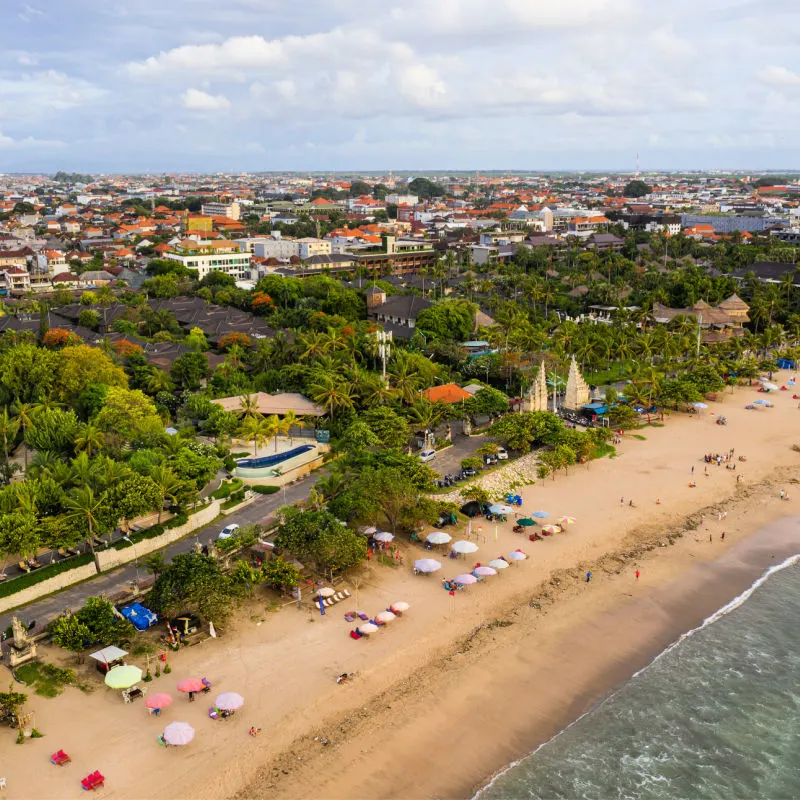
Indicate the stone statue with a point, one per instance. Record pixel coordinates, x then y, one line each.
22 648
21 638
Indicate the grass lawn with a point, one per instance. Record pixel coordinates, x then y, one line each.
47 680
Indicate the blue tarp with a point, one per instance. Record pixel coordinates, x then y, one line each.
140 617
785 363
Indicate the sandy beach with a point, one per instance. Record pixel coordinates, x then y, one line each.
458 687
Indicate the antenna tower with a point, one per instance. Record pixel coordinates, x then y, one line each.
637 166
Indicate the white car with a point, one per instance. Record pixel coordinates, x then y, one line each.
227 531
427 455
502 454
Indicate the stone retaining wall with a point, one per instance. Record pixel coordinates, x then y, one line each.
54 584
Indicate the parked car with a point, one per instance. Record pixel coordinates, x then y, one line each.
227 531
468 472
427 455
502 454
489 460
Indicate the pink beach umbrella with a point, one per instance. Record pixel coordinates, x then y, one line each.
191 685
484 571
399 607
465 579
385 616
178 733
229 701
158 700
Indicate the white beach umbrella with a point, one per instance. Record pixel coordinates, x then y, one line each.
368 531
400 606
517 555
498 563
438 537
465 547
383 536
367 628
326 591
484 571
427 565
771 386
178 733
385 616
466 579
498 508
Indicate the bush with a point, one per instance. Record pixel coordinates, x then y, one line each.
229 463
32 578
265 489
234 499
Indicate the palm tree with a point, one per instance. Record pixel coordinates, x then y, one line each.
90 439
25 413
169 484
248 405
257 430
406 381
290 419
332 394
159 381
81 507
8 430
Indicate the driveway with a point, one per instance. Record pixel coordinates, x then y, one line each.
449 461
259 511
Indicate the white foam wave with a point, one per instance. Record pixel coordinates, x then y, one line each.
717 615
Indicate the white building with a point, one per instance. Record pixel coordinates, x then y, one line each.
402 199
276 248
213 256
229 210
309 246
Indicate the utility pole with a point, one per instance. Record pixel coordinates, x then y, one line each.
699 323
384 349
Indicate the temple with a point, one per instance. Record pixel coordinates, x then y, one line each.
536 399
577 393
717 323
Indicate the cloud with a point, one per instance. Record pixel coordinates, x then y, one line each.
198 100
29 142
29 14
779 76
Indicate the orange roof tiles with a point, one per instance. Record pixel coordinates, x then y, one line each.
447 393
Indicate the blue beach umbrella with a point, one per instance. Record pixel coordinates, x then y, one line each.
540 514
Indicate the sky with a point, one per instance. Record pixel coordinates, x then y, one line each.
225 85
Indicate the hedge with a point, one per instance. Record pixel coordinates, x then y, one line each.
156 530
265 489
233 500
37 576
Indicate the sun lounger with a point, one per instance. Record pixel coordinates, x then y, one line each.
213 713
338 597
377 622
93 781
60 758
362 616
349 617
345 593
355 634
23 566
329 601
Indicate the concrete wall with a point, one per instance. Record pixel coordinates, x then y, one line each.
290 473
110 559
54 584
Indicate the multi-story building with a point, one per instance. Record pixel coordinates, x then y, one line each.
402 199
212 256
275 248
309 247
230 210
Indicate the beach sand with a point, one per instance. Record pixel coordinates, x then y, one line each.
457 687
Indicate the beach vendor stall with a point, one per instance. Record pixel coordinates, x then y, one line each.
108 658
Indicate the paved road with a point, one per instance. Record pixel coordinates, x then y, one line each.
111 583
449 461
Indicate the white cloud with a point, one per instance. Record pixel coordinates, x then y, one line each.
198 100
779 76
29 142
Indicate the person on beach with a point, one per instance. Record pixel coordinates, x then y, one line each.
588 577
710 538
783 494
622 501
191 697
692 469
637 574
722 538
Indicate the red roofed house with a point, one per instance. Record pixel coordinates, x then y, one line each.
447 393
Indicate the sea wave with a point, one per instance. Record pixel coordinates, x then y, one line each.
737 601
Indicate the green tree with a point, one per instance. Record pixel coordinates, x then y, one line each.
132 497
83 508
280 574
28 372
190 370
83 365
69 633
128 414
448 319
636 188
318 537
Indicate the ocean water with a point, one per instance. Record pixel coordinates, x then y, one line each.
717 715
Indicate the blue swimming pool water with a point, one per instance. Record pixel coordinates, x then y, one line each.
273 460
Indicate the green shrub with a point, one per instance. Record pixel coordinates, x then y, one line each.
229 464
265 489
14 585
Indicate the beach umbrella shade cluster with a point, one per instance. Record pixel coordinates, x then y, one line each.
178 733
191 685
385 616
498 563
123 677
427 565
484 572
438 537
383 536
158 700
229 701
465 547
466 579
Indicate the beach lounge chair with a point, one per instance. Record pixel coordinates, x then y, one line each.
93 781
338 597
213 713
60 758
345 593
349 617
23 566
355 634
362 616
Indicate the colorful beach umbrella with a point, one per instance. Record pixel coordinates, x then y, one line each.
517 555
761 402
551 528
158 700
499 508
541 514
438 537
367 628
465 579
191 685
229 701
383 536
526 522
564 521
484 571
399 607
498 563
385 616
123 677
464 547
427 565
178 733
771 386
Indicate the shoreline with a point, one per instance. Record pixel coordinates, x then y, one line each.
686 593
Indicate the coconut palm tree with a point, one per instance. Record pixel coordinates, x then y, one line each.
257 430
89 439
290 419
169 484
25 414
159 381
248 405
8 431
83 507
332 394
